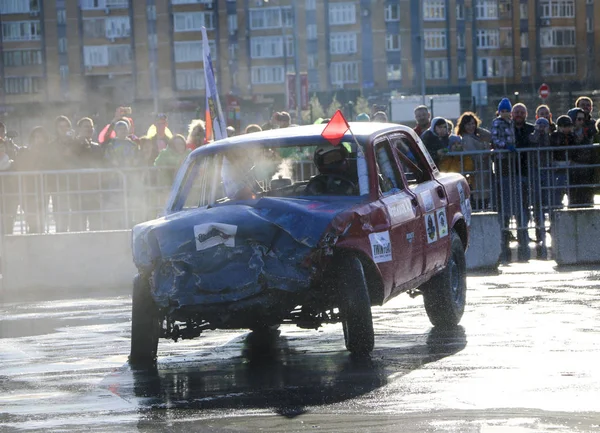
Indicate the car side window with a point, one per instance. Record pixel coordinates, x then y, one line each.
415 171
388 173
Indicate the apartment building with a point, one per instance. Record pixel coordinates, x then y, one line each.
86 56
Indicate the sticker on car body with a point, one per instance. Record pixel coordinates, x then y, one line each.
400 209
442 221
212 234
430 227
381 247
427 201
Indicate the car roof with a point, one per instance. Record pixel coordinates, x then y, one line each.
296 135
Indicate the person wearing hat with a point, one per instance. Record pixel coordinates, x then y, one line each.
363 117
436 139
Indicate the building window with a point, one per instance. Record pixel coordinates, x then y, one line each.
435 40
185 2
62 45
524 11
504 8
558 65
486 10
64 71
462 70
270 18
392 12
119 55
193 21
232 23
342 13
525 40
557 37
392 42
117 27
18 85
394 72
94 27
342 43
344 72
436 69
95 55
311 31
19 6
460 41
311 5
525 68
21 31
191 51
233 50
104 4
460 12
61 16
267 74
15 58
113 27
268 47
589 24
506 39
488 39
434 10
151 12
312 61
493 67
557 8
189 79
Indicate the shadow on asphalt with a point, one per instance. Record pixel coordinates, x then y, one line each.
272 375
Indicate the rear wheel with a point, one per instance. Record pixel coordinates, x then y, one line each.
355 307
444 295
145 325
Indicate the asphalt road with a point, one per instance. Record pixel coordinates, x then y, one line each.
525 359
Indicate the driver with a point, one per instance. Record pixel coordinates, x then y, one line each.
335 174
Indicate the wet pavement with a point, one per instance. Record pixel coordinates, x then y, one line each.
524 359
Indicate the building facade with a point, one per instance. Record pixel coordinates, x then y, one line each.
85 57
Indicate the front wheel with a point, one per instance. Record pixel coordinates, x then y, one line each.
145 325
355 307
444 295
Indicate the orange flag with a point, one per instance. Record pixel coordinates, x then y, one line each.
336 129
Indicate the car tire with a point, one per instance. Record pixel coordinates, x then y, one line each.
145 325
444 295
355 307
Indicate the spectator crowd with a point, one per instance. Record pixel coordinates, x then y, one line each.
494 176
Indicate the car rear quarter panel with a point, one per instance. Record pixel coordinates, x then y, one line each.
459 207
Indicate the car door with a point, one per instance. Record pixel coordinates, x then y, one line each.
431 199
404 215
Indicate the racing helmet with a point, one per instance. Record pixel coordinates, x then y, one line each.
332 159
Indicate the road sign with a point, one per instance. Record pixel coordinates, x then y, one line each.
544 91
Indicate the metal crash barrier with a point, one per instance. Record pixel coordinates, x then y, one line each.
80 200
525 186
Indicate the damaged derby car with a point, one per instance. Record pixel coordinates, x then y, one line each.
282 226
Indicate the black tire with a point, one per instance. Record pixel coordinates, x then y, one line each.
145 325
445 294
355 307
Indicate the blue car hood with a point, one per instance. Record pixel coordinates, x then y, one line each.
233 251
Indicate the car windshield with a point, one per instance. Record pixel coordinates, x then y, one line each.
252 171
